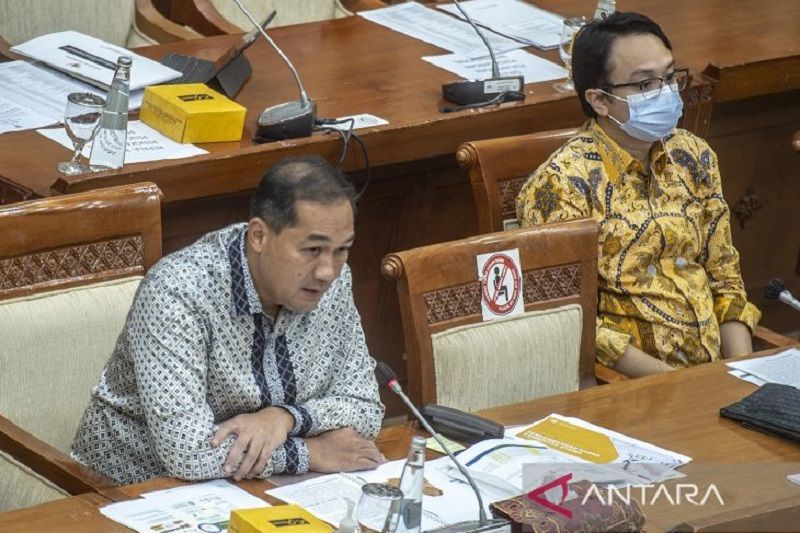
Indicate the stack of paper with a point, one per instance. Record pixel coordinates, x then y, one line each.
517 19
783 368
92 60
199 507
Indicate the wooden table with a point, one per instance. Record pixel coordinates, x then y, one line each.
678 411
418 196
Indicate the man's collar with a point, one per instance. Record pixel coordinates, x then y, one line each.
616 160
243 290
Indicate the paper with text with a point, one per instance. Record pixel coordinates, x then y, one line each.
143 144
513 63
782 368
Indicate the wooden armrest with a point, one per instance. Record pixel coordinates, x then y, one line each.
200 15
608 375
48 462
796 141
5 51
155 25
774 339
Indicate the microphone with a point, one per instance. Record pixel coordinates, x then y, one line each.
289 120
496 89
776 290
388 378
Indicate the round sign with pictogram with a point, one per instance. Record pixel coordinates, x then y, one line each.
501 284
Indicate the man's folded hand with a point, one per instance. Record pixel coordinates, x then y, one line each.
342 450
258 435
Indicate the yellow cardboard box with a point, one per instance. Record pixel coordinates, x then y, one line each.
192 113
278 519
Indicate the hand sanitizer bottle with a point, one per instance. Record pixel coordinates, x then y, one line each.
412 483
108 148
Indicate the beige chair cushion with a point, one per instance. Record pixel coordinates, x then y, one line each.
110 20
21 487
288 11
504 361
53 350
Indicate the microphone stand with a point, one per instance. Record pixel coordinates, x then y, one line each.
495 90
484 524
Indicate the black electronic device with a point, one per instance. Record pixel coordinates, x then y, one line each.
288 120
227 75
475 93
460 426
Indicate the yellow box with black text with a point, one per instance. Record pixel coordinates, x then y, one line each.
278 519
192 113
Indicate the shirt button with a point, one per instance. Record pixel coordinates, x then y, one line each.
652 271
680 262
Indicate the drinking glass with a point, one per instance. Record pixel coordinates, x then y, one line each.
379 507
568 32
81 119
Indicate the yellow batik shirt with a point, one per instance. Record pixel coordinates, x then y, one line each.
668 272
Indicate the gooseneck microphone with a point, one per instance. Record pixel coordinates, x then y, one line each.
495 90
776 290
289 120
388 378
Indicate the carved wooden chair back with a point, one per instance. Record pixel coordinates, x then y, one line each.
440 294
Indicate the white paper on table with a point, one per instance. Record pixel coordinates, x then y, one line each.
324 496
417 21
782 368
744 376
92 60
517 19
143 144
362 120
33 96
183 508
513 63
648 462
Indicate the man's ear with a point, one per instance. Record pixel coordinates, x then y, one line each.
598 100
258 234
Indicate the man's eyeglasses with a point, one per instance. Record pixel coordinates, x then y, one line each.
652 86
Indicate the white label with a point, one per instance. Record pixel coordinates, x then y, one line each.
108 148
500 277
364 120
501 86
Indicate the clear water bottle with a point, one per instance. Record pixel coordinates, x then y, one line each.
604 9
412 483
108 149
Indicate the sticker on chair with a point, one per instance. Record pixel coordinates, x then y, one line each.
500 277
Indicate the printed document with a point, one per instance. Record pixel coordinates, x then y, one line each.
143 144
92 60
514 63
445 500
33 96
417 21
196 507
517 19
783 367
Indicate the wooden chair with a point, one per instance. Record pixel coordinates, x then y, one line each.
796 141
497 171
128 23
217 17
456 359
69 269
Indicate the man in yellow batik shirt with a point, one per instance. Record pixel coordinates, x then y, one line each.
670 290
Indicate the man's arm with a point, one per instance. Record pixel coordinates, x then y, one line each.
169 351
736 339
636 363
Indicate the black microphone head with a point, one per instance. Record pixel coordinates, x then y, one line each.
384 374
774 289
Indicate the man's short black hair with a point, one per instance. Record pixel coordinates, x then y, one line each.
309 178
592 48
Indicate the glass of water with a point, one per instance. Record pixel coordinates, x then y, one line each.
81 119
568 32
379 507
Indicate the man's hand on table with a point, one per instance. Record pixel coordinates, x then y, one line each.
342 450
258 435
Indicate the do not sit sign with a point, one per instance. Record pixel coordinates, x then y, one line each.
500 277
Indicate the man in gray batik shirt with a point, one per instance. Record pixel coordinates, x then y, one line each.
243 354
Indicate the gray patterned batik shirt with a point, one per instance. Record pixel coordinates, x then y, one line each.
197 350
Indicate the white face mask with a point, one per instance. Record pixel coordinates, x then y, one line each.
652 116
